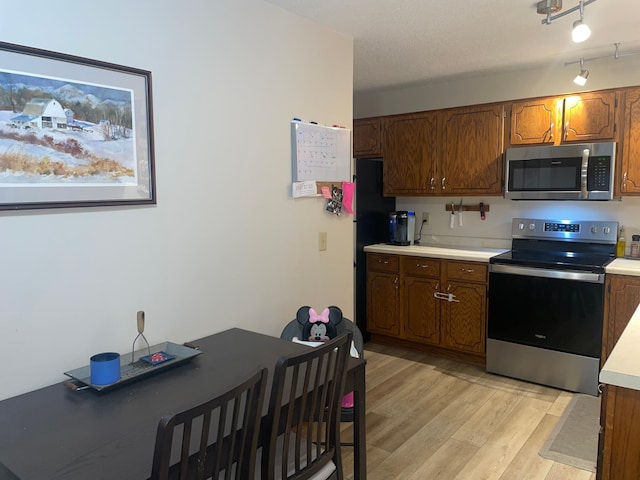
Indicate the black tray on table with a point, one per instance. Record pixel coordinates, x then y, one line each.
135 370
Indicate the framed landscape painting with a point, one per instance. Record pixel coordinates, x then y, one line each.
74 132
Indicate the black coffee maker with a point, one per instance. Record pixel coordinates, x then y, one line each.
399 228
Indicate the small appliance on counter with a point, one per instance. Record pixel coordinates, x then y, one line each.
402 227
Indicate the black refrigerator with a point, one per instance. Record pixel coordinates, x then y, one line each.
371 226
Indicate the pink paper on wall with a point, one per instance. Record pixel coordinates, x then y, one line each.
347 196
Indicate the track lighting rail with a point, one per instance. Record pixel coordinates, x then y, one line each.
550 17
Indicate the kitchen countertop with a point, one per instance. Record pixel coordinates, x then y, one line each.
624 266
620 266
622 368
452 253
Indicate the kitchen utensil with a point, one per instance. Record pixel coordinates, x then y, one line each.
140 319
453 215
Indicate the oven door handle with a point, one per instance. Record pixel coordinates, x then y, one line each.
546 273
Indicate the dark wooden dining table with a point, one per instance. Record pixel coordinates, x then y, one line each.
56 433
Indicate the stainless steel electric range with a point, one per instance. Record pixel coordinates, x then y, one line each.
546 302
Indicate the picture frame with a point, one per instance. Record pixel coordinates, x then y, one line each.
74 132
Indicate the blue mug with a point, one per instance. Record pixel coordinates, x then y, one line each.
105 368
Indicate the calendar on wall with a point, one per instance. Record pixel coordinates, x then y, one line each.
320 153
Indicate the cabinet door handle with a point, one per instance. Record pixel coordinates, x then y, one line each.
432 183
422 265
467 270
384 262
551 132
395 283
443 179
624 182
566 130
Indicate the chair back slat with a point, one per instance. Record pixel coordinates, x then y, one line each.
217 439
304 408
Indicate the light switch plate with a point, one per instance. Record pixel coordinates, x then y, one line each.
322 241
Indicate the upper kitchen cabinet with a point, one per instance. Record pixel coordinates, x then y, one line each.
411 148
584 117
367 138
444 152
534 121
630 158
471 161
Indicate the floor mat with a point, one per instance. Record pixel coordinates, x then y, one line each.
574 440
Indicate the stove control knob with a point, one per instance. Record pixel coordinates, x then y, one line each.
521 226
594 229
532 226
606 230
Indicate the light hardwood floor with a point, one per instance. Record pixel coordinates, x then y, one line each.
430 418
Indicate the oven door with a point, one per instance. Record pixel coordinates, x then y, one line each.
552 309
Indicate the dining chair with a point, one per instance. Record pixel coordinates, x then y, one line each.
217 439
303 441
294 329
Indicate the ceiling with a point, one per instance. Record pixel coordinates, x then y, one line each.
409 42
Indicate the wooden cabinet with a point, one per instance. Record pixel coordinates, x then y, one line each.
383 294
367 138
444 152
619 441
471 162
464 317
621 300
411 148
442 304
584 117
420 281
534 121
630 158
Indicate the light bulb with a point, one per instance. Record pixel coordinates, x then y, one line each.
580 32
581 78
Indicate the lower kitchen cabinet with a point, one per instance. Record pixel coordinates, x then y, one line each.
619 442
420 281
464 317
383 294
621 300
432 304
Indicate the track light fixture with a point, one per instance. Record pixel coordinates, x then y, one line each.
581 78
580 31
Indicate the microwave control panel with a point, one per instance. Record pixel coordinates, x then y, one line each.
599 173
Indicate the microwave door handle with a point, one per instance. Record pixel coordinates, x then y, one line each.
583 173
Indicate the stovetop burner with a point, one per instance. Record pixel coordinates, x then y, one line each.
561 244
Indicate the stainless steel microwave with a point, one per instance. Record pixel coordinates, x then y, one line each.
564 172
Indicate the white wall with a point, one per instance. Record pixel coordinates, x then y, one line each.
496 229
225 246
509 85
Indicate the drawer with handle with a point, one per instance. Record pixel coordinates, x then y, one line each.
422 266
468 271
381 262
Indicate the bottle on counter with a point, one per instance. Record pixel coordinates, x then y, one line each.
412 227
392 227
621 246
635 246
